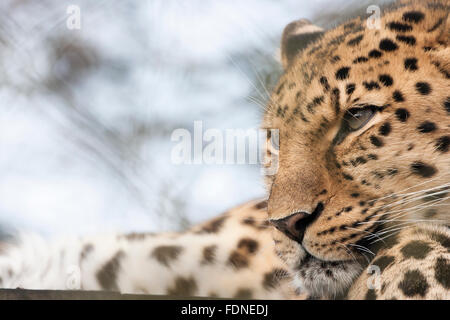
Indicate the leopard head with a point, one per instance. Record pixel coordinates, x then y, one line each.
363 117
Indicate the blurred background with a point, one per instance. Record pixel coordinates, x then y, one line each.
87 114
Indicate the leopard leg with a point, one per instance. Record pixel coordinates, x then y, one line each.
414 264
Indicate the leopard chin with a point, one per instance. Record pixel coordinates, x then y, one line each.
325 279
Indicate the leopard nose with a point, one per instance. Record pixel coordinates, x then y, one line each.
293 226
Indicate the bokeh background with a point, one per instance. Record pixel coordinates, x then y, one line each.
86 115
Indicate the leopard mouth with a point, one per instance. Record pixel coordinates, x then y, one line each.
325 263
322 278
364 252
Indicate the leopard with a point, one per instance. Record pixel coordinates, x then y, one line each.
357 208
363 165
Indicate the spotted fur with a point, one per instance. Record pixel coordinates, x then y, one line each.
387 178
233 258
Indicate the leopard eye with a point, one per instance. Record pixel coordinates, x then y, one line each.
356 118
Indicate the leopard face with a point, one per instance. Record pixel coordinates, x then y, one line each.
364 136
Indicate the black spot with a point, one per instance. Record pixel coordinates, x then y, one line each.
249 245
166 254
238 260
335 59
213 226
316 101
298 111
107 275
413 16
281 111
349 25
335 96
423 88
402 114
392 171
398 96
136 236
378 174
280 87
324 83
411 64
414 283
447 104
383 261
377 142
351 87
443 143
442 239
383 288
388 45
360 60
209 254
249 221
271 279
183 287
370 295
342 73
409 40
442 272
422 169
261 205
426 127
385 129
358 160
386 80
243 294
355 41
375 54
416 249
399 27
347 176
371 85
354 195
87 249
372 156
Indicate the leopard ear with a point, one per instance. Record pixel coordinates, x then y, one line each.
296 37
